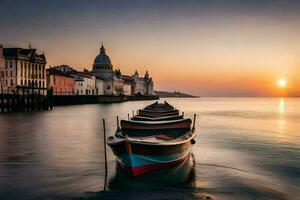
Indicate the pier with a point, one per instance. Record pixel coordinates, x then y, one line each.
30 102
36 102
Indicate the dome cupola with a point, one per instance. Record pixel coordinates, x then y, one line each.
102 66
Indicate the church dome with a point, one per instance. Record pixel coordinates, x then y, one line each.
102 58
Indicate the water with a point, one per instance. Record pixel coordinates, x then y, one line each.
246 149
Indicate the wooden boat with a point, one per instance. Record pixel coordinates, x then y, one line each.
183 173
157 114
159 106
156 125
144 154
163 118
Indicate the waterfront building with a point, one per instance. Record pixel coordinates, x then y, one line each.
59 82
24 71
85 83
128 85
102 66
64 68
2 72
99 86
117 84
142 85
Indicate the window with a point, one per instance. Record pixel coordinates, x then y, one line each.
21 69
11 74
10 64
25 82
11 82
54 80
6 64
21 81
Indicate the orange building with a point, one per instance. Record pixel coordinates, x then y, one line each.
60 82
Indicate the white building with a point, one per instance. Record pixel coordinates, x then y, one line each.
99 86
85 84
142 85
24 71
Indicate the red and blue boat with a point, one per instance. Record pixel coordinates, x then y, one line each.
140 155
156 138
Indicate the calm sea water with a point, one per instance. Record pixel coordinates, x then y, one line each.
246 149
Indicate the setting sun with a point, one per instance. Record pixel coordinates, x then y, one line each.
281 83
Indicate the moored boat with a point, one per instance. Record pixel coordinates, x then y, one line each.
144 154
163 118
132 128
157 114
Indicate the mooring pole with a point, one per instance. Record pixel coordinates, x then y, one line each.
128 116
182 114
132 113
105 155
194 122
118 126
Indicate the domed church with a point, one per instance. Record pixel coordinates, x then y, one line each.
102 66
116 83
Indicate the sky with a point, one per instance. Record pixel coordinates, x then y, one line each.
213 48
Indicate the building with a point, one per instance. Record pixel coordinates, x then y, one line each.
85 83
142 85
102 66
59 82
64 68
117 84
2 66
128 84
24 71
99 86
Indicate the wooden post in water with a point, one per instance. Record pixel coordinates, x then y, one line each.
128 116
182 114
194 122
132 113
105 155
118 125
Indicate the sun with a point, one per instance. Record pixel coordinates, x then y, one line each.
281 83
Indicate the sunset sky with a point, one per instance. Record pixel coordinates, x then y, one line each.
207 48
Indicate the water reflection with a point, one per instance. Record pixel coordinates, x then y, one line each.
182 174
281 106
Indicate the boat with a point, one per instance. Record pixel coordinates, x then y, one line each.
159 106
163 118
183 173
140 155
157 114
144 128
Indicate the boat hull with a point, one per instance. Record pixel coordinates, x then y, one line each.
141 118
140 158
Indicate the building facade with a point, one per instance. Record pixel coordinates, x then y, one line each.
117 84
85 84
142 85
24 71
2 66
60 83
102 66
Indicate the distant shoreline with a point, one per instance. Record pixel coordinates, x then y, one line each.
165 94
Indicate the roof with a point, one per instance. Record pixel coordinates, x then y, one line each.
102 58
127 79
53 71
25 54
